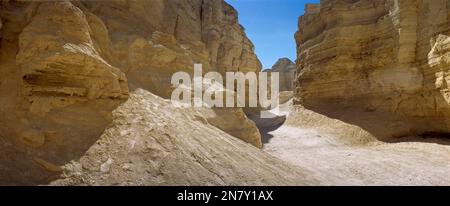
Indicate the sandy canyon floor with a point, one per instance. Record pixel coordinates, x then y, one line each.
335 161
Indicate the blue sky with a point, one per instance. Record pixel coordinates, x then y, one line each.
271 25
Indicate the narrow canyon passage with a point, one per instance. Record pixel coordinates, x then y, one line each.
87 90
334 161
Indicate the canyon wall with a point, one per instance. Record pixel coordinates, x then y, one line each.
154 143
286 69
384 61
286 72
152 40
66 65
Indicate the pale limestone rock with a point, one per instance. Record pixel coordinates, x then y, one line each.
385 58
187 32
57 86
173 146
48 165
286 96
231 120
65 65
155 39
286 73
234 122
286 69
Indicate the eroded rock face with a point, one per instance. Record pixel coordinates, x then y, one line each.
60 59
66 65
388 58
154 39
234 122
57 89
175 36
286 69
154 143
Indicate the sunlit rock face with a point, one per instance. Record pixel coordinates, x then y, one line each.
66 65
286 71
387 58
152 40
174 146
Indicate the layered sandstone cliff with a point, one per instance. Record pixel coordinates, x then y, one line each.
286 69
153 143
66 65
380 64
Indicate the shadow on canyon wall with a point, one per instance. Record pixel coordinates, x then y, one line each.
389 127
55 142
267 125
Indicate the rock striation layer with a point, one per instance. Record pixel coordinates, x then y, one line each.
66 65
388 59
286 69
153 143
153 39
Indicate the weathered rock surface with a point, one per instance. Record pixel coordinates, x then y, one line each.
153 143
387 59
286 69
66 65
175 35
234 122
154 39
57 90
60 59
